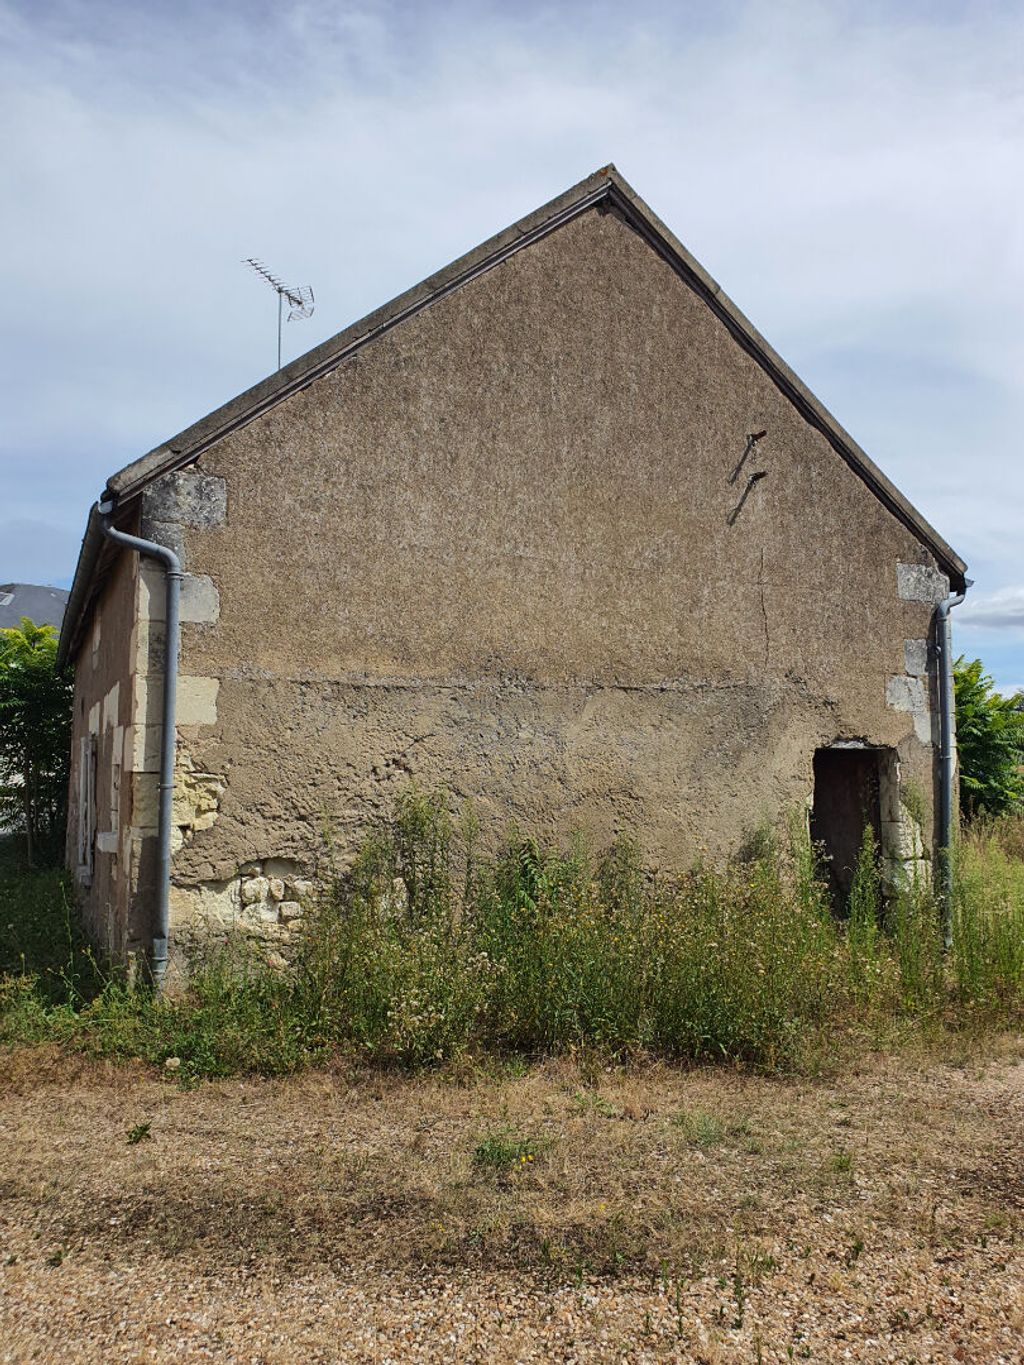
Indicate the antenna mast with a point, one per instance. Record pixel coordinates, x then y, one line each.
300 300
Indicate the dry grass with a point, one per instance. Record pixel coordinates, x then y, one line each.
662 1214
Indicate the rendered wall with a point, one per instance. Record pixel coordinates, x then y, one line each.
103 704
501 549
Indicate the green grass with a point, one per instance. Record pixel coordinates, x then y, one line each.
40 936
235 1017
543 951
702 1129
506 1151
841 1163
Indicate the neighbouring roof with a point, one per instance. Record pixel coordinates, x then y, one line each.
41 604
603 185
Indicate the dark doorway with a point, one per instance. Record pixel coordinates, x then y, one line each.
846 801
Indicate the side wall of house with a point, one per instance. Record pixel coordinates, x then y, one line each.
514 547
98 855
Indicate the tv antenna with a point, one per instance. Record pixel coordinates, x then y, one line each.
299 300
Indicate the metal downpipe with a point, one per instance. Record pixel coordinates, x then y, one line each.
947 759
172 582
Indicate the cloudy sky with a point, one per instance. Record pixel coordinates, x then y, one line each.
850 172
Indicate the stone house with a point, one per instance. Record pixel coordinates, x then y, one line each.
555 529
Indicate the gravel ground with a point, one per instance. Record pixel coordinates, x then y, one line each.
663 1215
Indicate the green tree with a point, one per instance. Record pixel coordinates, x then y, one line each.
990 741
35 738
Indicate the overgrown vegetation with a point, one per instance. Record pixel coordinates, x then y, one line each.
42 950
35 739
990 743
424 952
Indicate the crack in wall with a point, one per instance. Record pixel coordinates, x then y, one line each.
764 611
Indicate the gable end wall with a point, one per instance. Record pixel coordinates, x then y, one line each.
510 548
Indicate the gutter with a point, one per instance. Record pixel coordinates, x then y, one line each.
78 601
947 757
172 580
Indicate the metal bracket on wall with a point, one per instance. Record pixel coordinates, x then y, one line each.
758 474
752 441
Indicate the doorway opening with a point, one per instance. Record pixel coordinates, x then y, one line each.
847 800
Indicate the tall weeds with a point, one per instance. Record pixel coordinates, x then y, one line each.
987 957
424 951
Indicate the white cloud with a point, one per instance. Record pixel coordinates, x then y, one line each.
1002 610
849 172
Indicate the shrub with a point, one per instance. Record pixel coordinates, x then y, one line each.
35 739
987 957
990 743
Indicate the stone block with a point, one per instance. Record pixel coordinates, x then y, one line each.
188 497
196 799
901 840
142 748
145 801
921 583
280 867
148 701
289 911
197 700
150 638
208 904
166 533
903 874
915 657
909 694
255 889
276 888
111 706
152 596
889 792
200 600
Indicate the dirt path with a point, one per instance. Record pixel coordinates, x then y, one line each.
643 1215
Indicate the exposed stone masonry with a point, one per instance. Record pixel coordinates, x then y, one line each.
265 903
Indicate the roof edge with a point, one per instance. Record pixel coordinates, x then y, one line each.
77 604
191 442
811 408
604 184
